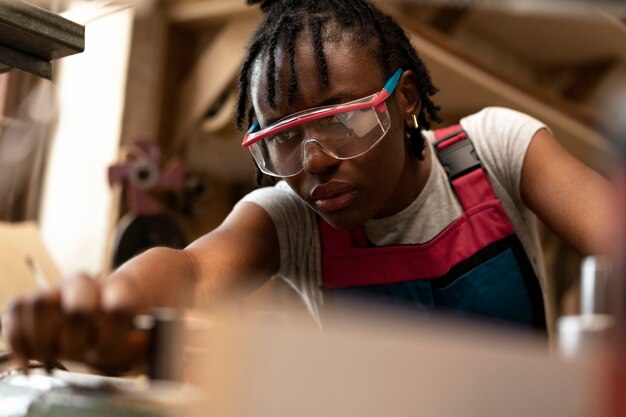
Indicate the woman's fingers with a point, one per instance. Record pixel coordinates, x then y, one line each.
116 350
81 315
84 320
41 325
119 346
13 331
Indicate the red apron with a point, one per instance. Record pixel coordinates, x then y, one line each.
475 266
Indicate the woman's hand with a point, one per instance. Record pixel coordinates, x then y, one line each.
84 320
91 321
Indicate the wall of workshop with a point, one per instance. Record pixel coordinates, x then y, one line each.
77 201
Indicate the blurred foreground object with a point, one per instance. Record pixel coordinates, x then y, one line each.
383 365
614 384
363 363
63 394
596 277
31 38
585 333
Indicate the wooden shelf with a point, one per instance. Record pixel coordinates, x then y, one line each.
32 37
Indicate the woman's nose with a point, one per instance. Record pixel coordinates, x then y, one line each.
315 159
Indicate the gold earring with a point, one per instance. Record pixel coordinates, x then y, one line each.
417 125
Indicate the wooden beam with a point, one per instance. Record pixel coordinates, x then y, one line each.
586 9
144 85
13 58
587 77
577 125
446 43
206 11
214 72
447 19
32 37
576 81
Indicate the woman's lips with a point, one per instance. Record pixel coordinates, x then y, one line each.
333 196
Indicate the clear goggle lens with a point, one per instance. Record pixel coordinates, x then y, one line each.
343 135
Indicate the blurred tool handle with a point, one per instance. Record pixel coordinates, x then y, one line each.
166 340
614 389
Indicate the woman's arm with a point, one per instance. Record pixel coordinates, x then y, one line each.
572 200
235 258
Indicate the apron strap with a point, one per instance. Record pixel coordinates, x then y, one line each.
465 171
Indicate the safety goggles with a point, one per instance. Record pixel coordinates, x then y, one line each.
343 131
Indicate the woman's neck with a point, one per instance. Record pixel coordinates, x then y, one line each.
411 183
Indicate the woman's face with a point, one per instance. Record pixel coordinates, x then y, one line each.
345 193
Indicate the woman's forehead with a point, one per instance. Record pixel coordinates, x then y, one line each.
353 72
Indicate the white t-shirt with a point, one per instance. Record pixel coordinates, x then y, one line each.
501 138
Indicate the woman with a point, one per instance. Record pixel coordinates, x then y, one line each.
372 203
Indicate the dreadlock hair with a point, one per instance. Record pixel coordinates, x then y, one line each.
285 19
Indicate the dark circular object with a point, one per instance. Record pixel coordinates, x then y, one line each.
136 234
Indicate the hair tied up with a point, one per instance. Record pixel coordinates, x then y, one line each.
266 5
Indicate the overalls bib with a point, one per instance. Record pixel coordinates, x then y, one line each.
475 266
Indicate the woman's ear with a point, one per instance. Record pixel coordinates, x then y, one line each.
408 96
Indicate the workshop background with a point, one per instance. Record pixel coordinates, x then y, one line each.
141 121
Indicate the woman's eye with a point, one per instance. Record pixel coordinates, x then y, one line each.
338 123
344 117
284 137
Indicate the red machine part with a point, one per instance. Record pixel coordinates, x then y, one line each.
141 174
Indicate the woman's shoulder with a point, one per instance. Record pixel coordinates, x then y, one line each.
501 137
501 129
495 123
498 116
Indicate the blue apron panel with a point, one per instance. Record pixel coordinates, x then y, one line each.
494 288
406 297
